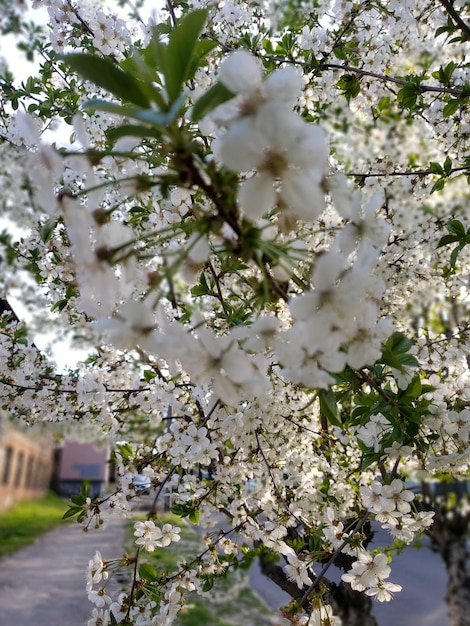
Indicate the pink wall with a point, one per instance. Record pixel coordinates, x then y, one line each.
83 460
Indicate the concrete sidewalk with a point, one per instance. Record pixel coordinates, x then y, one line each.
44 584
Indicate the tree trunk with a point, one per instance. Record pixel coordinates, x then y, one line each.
449 537
353 607
458 584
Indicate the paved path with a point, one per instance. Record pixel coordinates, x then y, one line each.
44 584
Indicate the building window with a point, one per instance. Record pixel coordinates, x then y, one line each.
29 473
19 469
7 465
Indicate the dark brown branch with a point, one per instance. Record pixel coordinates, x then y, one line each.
463 26
331 561
356 70
422 172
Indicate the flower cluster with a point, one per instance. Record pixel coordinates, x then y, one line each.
289 156
276 322
368 574
150 536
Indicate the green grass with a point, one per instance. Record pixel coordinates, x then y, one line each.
20 525
230 603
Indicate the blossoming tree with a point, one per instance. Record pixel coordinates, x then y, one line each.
258 226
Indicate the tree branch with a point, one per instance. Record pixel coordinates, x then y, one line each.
463 26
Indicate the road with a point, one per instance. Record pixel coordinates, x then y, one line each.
420 603
44 584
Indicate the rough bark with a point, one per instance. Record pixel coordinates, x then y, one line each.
449 538
458 584
352 607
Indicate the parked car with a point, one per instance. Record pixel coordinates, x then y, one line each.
142 483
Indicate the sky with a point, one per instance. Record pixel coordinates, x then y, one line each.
22 69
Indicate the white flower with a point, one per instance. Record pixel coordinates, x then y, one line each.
99 597
367 571
283 148
96 571
324 617
383 591
297 571
99 617
148 535
399 495
241 72
371 434
170 534
133 325
374 499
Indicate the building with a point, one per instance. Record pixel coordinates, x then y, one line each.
75 462
26 464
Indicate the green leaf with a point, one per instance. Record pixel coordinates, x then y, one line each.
408 360
369 459
85 489
208 583
408 95
450 108
149 375
78 500
456 228
178 56
96 104
202 288
47 229
213 97
151 116
448 165
436 168
415 388
147 572
72 511
109 76
384 103
398 342
328 406
124 449
395 352
132 130
454 255
438 185
447 239
180 510
350 86
194 516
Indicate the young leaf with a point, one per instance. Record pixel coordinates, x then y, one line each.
47 229
215 95
450 108
132 130
408 95
447 239
328 406
108 75
456 228
147 572
73 510
180 50
350 86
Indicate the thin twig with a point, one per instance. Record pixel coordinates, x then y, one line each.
463 26
332 559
